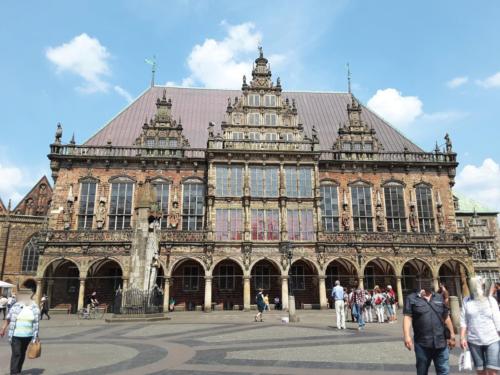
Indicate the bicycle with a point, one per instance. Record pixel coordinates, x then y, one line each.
94 312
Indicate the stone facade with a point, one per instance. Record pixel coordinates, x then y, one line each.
262 203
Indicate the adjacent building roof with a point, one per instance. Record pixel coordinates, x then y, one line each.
467 205
197 107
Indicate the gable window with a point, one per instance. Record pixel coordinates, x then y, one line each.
288 137
395 208
330 208
30 256
87 204
271 137
120 208
357 146
264 181
150 142
362 208
253 119
265 225
300 225
298 182
484 251
192 206
270 118
229 224
346 146
460 223
270 100
253 100
237 136
162 190
424 208
172 142
254 136
229 181
162 142
191 278
368 146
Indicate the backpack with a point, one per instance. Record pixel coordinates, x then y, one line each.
378 300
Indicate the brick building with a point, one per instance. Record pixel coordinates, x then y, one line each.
309 186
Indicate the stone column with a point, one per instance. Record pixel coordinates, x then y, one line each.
284 292
361 283
323 301
458 287
436 283
246 293
50 287
166 294
399 287
81 293
455 312
124 283
38 294
208 294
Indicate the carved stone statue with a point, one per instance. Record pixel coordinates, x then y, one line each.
379 218
41 206
449 148
100 215
30 206
413 218
346 220
68 214
440 219
174 216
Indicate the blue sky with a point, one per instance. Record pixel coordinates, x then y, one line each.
428 67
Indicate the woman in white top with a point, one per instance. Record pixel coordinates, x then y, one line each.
378 300
480 323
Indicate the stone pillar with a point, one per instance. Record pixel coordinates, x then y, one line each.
284 292
38 294
81 294
455 312
50 287
458 287
208 294
125 283
323 300
399 290
436 284
246 293
361 283
166 294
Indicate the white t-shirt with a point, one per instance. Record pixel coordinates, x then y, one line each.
481 318
3 302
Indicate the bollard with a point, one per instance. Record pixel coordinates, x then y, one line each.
291 310
455 313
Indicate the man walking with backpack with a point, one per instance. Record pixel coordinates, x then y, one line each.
338 297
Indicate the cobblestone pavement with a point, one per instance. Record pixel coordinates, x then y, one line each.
219 343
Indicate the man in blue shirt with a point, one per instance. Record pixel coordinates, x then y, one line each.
338 297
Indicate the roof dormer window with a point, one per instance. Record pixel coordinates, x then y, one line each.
270 100
270 119
253 100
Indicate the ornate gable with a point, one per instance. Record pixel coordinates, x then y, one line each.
355 136
37 201
3 210
261 119
162 131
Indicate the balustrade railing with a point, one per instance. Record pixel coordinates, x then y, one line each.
392 237
410 157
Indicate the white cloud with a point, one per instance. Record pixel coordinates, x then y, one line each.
490 82
481 183
443 117
222 63
86 57
14 183
123 93
457 82
397 109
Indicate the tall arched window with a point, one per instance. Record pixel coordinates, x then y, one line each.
30 256
362 214
193 203
424 207
330 207
395 207
120 207
162 188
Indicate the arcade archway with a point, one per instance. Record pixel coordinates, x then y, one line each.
453 274
187 285
227 285
379 272
61 283
416 275
266 275
343 271
104 277
305 284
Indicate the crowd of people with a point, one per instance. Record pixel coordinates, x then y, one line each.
364 306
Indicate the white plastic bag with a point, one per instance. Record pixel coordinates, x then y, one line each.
465 361
285 319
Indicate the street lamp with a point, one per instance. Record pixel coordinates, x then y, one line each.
292 316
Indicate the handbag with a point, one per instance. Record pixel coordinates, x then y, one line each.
465 361
35 349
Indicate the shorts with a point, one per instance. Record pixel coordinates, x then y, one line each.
485 356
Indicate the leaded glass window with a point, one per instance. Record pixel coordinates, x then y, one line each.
193 203
254 136
270 100
253 118
264 181
229 224
253 100
30 256
262 276
395 208
424 207
229 181
162 191
300 225
191 278
120 207
265 225
298 277
87 204
226 277
298 182
330 208
484 251
362 208
270 118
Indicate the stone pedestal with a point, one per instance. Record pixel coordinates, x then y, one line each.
455 312
81 294
246 293
323 300
208 294
292 315
284 293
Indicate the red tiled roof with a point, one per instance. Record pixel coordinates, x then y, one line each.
197 107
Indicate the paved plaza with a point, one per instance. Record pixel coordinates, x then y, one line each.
194 343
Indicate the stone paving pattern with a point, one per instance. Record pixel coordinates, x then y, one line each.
219 343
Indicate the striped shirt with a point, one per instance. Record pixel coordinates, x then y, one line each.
32 317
